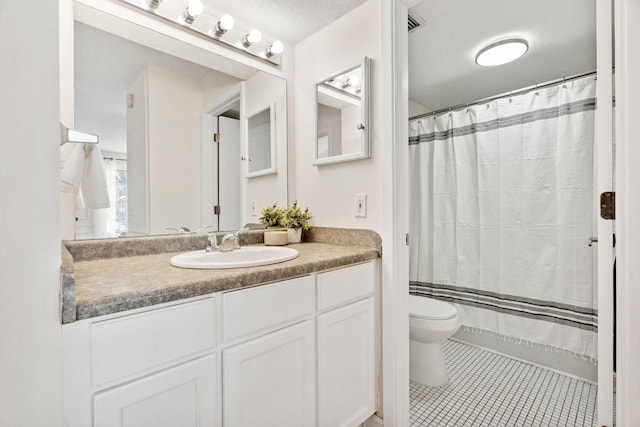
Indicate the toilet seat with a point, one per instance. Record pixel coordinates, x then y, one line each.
431 309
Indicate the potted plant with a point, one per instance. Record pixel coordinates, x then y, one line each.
272 216
296 220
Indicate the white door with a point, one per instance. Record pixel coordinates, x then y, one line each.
604 183
346 371
229 174
270 381
182 396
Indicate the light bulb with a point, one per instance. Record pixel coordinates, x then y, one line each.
224 24
254 36
276 48
194 8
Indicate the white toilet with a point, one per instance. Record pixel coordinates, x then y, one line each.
430 322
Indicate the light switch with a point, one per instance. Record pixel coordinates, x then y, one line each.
361 205
254 208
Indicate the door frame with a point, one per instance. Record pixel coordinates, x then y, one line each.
395 227
395 321
627 131
208 158
603 156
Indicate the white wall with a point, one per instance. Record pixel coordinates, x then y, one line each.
137 154
329 190
30 329
174 106
215 85
260 91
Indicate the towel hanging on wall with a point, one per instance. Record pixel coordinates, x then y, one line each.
83 173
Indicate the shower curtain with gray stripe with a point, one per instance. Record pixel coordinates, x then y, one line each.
502 203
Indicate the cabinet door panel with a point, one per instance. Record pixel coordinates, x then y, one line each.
183 396
346 371
270 381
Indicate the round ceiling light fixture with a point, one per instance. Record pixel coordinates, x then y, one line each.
501 51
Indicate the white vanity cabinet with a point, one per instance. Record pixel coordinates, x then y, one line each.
346 346
147 367
295 353
268 355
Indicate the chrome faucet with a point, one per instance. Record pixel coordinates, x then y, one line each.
231 241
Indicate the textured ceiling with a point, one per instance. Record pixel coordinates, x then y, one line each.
290 20
442 70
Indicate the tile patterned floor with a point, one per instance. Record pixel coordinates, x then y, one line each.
492 390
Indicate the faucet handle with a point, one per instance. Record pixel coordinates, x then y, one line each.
242 230
213 243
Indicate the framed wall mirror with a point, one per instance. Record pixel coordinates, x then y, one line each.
156 102
343 116
261 140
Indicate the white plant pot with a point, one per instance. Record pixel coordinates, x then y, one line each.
294 234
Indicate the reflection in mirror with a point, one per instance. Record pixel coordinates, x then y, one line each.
156 115
260 143
343 117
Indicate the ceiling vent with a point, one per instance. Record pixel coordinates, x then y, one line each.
415 21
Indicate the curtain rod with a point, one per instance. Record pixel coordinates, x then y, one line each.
502 95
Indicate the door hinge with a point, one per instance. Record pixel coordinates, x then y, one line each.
608 205
216 210
216 137
406 239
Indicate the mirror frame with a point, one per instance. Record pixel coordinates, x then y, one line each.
365 117
272 169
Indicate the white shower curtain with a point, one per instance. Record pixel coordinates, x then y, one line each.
501 213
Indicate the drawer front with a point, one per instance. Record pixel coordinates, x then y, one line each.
130 345
266 307
341 286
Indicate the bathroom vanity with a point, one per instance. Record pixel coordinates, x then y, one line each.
242 349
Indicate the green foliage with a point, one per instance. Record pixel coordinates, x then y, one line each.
294 217
272 216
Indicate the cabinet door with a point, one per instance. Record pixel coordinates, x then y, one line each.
184 396
270 381
346 371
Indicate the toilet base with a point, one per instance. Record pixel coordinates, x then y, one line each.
426 363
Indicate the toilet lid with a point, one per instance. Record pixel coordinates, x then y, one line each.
427 308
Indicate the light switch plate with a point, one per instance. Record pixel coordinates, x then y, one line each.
361 205
254 208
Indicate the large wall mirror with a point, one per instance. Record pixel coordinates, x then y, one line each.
343 116
156 114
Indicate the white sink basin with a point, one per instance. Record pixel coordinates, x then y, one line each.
247 256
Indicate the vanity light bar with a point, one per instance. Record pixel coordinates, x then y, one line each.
223 30
348 82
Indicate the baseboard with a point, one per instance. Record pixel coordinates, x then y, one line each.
564 363
374 421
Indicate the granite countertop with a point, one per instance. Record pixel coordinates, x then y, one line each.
102 280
